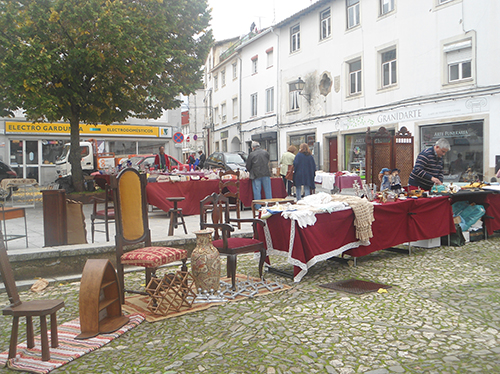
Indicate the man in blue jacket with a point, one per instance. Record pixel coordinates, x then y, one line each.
428 169
258 166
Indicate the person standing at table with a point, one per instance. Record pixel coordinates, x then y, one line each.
286 163
428 169
202 158
304 169
162 161
258 166
191 161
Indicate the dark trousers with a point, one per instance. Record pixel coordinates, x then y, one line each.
288 185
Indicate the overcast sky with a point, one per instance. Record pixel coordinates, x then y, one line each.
232 18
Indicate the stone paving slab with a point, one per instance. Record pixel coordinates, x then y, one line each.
440 316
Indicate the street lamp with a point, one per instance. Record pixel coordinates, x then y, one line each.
299 85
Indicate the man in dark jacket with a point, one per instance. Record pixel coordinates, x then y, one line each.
202 158
428 169
258 167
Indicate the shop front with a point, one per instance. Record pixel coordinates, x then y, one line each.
32 149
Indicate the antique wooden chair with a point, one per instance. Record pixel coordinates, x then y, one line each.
228 246
104 213
229 186
28 309
132 229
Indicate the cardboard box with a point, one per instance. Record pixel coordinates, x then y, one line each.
427 243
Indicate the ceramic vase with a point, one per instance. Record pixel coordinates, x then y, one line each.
205 262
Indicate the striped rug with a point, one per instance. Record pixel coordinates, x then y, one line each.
30 360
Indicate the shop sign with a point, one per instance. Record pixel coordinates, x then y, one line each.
93 130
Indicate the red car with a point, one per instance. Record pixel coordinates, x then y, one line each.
147 161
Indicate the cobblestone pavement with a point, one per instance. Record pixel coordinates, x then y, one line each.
442 315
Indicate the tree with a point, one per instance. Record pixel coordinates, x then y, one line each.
99 61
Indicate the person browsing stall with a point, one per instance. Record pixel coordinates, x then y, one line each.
428 169
304 169
162 161
202 159
258 166
286 163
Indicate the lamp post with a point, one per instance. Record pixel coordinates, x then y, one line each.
299 85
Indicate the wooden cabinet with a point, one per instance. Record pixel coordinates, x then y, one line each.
100 306
54 218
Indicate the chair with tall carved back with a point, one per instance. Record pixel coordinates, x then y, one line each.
229 186
132 228
28 309
228 246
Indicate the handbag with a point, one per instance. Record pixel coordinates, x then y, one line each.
289 173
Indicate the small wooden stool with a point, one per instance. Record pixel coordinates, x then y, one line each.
174 214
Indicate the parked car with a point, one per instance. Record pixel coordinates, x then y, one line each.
147 161
6 172
226 161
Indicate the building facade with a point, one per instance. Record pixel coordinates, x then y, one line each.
341 67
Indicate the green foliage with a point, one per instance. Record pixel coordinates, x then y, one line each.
99 61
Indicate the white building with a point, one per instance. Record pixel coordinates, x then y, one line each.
427 65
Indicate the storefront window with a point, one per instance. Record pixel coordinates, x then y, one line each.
16 152
355 152
464 161
152 147
51 150
297 140
122 147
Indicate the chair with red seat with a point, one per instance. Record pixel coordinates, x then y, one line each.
229 246
132 228
106 213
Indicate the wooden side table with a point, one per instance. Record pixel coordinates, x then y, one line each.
277 200
175 214
7 213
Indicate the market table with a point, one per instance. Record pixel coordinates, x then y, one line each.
195 191
334 233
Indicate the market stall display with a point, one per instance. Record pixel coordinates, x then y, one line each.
334 233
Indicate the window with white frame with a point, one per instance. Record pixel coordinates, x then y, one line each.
253 105
325 19
352 13
389 71
270 57
386 6
223 113
235 107
235 71
459 61
217 148
224 145
270 100
216 82
355 77
294 98
255 64
294 38
216 115
223 78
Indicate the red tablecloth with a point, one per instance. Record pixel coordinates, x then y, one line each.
195 191
333 234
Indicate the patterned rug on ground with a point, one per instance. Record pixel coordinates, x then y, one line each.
139 303
69 349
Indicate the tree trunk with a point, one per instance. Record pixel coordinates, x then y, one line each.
75 158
